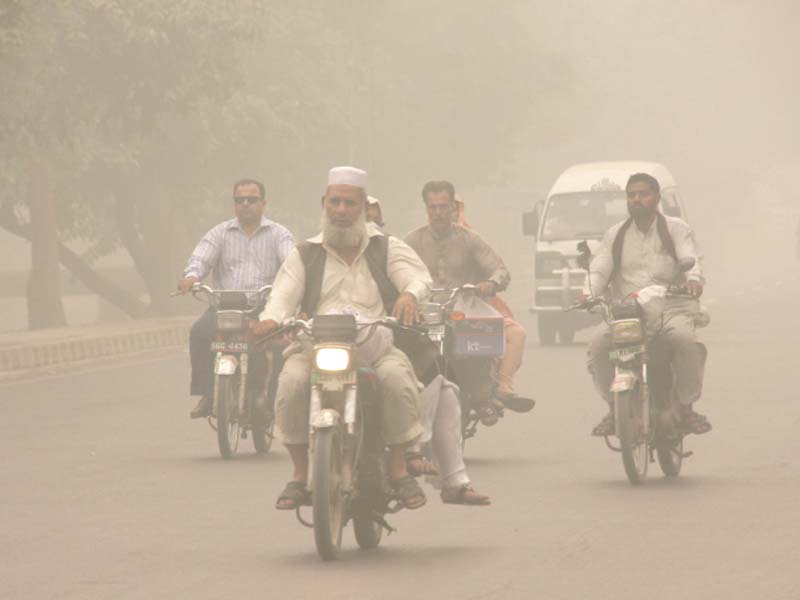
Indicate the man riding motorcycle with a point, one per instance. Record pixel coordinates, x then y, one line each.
244 253
456 256
641 251
340 269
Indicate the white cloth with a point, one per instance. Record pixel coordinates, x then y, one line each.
373 201
348 176
441 418
645 260
349 287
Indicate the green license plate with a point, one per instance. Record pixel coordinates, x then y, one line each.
624 354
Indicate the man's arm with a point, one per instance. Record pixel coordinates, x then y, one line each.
601 267
489 262
686 247
205 255
285 244
287 289
407 271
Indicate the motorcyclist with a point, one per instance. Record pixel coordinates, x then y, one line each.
243 253
334 271
456 256
644 250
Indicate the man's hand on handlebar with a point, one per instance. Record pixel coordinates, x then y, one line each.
185 284
405 309
263 328
487 289
694 288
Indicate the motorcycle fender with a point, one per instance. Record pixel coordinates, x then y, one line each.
624 381
226 364
325 419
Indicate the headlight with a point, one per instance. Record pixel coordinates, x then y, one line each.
628 331
332 359
230 320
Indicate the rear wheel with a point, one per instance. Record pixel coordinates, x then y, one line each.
547 329
227 414
263 432
368 531
670 457
327 498
631 434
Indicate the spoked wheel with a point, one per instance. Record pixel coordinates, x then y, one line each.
368 531
327 497
263 433
632 437
670 457
227 414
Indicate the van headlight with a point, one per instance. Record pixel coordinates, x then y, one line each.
230 320
628 331
332 359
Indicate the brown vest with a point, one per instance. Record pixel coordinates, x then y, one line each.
314 256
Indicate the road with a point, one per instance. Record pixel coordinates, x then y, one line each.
110 491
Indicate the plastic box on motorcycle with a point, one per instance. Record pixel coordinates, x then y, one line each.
477 330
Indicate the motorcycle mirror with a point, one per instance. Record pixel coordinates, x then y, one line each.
584 255
686 264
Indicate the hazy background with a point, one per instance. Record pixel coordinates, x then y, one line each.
141 115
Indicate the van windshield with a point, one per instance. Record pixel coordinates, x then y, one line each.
584 215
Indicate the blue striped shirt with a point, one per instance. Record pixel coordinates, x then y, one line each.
238 262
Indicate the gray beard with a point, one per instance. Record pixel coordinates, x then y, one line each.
343 237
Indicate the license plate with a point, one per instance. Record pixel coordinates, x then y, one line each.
436 332
625 354
230 346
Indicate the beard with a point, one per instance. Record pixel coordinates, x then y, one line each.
641 212
343 237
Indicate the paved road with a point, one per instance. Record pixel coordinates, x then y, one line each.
109 491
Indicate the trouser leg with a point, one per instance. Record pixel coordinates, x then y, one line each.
511 361
200 354
687 359
448 455
400 403
599 363
292 400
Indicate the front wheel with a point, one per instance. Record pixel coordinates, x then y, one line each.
327 497
227 414
631 434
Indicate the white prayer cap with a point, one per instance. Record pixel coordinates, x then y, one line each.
373 201
348 176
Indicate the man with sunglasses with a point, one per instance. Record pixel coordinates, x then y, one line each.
243 253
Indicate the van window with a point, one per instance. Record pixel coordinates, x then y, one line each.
670 206
584 215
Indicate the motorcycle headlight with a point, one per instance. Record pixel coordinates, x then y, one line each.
230 320
628 331
332 359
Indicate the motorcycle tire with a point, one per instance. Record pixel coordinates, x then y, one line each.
633 445
263 434
670 458
328 501
227 417
368 531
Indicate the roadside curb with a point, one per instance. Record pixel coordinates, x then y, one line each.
31 350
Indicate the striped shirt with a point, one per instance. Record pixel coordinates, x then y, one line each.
238 262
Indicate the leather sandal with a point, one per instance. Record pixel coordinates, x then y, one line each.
293 496
605 427
487 414
408 492
464 494
417 465
694 422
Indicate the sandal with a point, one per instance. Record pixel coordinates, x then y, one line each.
518 404
605 427
464 494
694 422
293 496
487 414
408 492
417 465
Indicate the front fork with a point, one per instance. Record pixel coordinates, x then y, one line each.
625 380
227 365
326 418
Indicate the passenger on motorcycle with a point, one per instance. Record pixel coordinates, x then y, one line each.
456 256
641 251
244 253
335 271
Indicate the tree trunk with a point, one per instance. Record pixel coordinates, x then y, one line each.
45 308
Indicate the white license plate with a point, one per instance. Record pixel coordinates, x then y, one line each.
230 346
436 330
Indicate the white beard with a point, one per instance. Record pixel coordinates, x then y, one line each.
344 237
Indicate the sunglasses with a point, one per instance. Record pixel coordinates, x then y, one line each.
247 199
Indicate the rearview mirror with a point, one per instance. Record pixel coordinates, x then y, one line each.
584 255
686 264
530 223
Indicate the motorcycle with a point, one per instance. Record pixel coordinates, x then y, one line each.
348 468
643 393
469 335
245 377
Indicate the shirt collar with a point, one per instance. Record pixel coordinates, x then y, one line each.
234 223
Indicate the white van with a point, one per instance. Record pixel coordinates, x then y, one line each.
584 202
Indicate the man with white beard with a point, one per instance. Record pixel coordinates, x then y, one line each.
332 272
